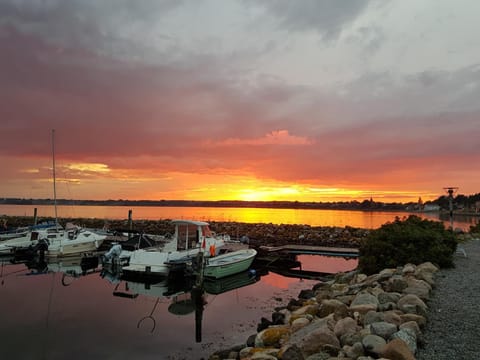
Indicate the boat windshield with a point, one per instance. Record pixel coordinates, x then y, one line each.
188 236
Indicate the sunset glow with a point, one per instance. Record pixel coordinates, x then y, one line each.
315 101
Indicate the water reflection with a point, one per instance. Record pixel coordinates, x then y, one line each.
48 300
316 217
184 295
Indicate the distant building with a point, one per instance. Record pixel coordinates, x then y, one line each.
431 207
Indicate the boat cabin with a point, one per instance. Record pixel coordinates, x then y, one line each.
190 234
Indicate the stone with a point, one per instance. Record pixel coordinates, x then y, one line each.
418 287
322 294
345 326
339 289
397 350
263 355
351 338
396 283
426 272
408 269
364 302
412 304
306 294
383 329
412 325
292 352
336 307
409 337
365 298
313 337
388 297
419 319
319 356
392 317
373 344
299 323
272 336
311 309
353 351
373 316
278 318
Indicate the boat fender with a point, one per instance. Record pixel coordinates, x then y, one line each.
212 250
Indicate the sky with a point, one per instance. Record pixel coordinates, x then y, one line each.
309 100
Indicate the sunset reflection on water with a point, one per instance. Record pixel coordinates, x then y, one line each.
361 219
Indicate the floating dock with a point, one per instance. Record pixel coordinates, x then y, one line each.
311 249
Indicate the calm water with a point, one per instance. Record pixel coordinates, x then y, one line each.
361 219
46 316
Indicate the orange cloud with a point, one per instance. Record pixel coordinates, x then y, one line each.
276 137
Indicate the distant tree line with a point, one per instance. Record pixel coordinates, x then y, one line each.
460 202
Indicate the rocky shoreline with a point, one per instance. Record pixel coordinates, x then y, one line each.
354 316
257 233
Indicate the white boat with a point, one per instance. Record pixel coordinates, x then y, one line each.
28 238
228 264
121 249
70 241
189 239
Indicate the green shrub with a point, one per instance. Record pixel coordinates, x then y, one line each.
411 240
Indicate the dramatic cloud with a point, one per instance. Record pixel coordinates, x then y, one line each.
191 98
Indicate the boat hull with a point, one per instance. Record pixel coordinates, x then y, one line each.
229 264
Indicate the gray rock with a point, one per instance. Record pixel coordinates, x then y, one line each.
389 297
293 353
409 337
373 344
383 329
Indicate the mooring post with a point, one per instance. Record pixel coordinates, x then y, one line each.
200 264
130 224
197 298
35 216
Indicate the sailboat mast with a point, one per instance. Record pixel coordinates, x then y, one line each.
54 180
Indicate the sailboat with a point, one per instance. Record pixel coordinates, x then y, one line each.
71 240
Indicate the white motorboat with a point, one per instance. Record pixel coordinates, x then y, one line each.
70 241
120 251
28 238
189 239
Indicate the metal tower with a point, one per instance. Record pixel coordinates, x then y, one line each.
450 191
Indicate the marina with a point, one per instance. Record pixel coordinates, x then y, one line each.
61 304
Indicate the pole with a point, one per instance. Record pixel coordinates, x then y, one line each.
54 180
130 223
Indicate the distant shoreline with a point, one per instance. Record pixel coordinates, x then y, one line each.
366 205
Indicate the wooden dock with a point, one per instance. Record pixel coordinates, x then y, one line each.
311 249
